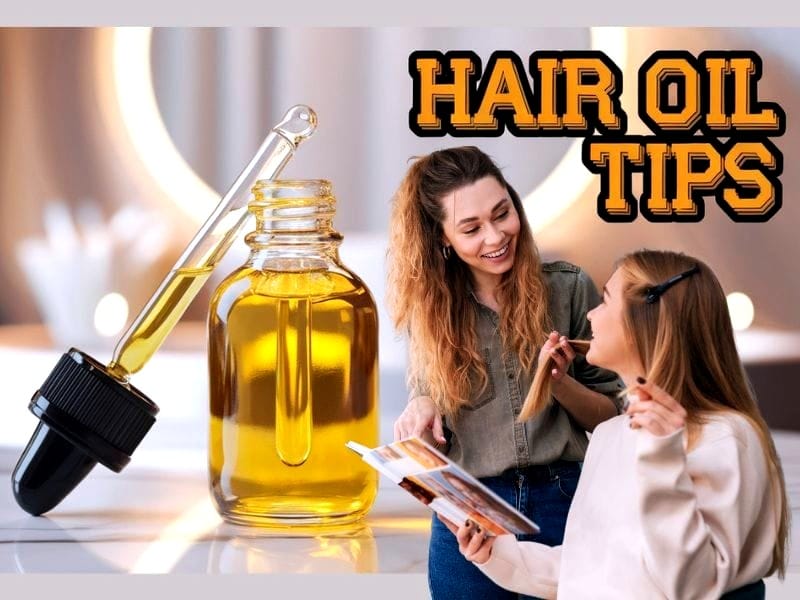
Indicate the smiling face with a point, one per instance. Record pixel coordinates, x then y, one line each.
611 347
482 226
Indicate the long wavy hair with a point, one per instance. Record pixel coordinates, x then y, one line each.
429 295
685 343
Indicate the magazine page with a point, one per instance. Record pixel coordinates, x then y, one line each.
444 487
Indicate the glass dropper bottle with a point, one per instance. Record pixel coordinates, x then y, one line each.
90 413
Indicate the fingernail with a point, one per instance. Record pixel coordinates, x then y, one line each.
641 380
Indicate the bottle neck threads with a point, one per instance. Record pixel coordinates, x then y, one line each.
294 225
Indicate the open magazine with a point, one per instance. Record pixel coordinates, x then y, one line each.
443 486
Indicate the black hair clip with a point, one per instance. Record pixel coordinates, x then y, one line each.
654 293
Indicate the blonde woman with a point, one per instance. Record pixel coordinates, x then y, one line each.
480 309
681 497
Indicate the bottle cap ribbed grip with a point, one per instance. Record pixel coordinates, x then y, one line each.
85 417
82 402
85 404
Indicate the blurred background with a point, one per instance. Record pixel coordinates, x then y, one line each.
116 144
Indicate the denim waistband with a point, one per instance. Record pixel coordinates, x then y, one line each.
534 473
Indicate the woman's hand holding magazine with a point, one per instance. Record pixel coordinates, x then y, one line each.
445 488
473 542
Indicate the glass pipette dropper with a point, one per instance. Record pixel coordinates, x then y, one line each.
184 281
89 413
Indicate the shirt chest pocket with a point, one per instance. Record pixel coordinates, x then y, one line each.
480 398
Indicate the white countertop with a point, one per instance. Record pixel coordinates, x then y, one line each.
147 520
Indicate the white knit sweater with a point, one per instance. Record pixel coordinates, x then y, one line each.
650 521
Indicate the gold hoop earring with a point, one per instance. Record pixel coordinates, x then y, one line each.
446 252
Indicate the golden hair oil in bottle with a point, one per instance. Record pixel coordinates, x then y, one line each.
293 365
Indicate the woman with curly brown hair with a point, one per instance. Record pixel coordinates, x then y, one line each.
481 310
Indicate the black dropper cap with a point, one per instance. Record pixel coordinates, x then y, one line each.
86 416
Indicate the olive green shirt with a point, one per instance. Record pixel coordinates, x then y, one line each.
485 438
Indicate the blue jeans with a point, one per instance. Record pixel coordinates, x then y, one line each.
542 493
